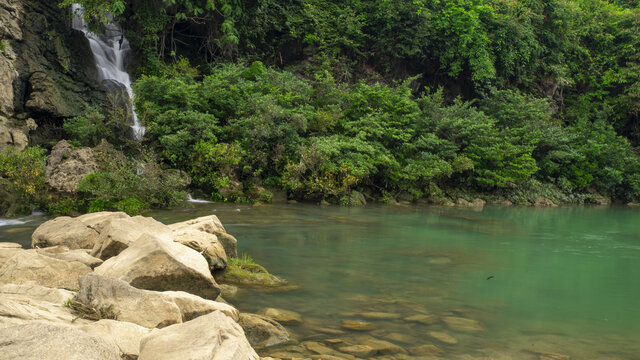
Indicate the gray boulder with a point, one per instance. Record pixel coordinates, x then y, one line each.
64 230
146 308
214 336
118 234
212 225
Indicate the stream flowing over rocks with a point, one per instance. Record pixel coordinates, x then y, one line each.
110 286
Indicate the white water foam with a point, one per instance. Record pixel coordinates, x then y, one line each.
199 201
9 222
109 51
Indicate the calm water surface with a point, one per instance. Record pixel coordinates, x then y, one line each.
564 281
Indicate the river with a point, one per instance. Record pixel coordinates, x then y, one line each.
562 280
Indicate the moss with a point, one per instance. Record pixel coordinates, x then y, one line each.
248 274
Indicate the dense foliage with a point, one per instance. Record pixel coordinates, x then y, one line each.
320 140
394 99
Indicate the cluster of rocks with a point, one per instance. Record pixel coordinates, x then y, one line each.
149 285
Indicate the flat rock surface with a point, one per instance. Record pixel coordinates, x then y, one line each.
39 341
27 268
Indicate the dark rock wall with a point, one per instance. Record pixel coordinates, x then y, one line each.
47 71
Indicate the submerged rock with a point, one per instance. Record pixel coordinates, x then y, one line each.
210 337
362 351
262 331
157 264
286 317
39 341
443 337
425 350
463 324
357 325
422 319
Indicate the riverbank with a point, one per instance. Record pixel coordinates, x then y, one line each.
110 286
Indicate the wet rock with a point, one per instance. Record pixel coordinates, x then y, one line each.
67 166
400 337
601 200
422 319
425 350
39 341
552 356
228 291
212 225
376 315
632 204
146 308
156 264
10 245
206 244
64 230
362 351
381 346
542 201
286 317
262 331
476 203
357 325
317 348
117 234
462 324
443 337
209 337
123 335
27 268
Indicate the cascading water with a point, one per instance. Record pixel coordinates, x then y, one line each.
109 51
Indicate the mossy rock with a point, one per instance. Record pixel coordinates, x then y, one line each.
248 274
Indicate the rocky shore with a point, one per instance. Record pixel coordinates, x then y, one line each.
110 286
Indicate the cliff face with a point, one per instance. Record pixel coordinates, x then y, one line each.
47 72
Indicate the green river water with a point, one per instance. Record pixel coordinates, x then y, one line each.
561 280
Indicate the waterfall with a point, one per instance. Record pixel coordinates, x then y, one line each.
109 50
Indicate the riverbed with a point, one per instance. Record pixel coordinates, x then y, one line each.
533 281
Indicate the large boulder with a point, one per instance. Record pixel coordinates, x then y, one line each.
156 264
64 253
143 307
210 337
12 137
27 268
64 230
98 220
123 335
118 234
20 304
263 331
39 341
212 225
66 166
206 244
